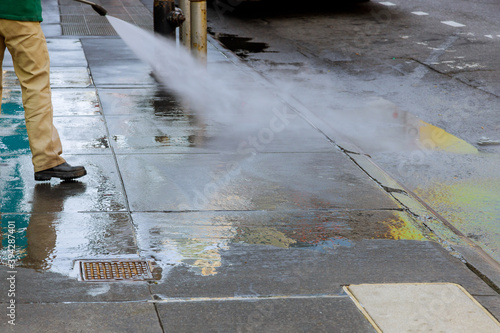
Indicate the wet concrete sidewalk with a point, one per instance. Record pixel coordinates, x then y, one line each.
260 239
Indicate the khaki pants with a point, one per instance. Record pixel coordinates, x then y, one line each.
26 43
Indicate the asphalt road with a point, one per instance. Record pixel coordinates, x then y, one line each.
413 84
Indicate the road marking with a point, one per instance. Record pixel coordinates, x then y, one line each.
385 3
453 24
420 13
489 36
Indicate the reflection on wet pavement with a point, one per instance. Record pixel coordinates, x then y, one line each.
473 206
197 239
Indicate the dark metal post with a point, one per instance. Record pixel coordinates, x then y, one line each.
161 10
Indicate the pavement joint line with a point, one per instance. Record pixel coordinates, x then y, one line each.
450 75
198 299
204 153
117 166
340 209
241 298
218 153
362 309
144 301
158 316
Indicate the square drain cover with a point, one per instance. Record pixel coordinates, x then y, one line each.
115 270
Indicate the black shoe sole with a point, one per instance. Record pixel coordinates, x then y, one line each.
44 176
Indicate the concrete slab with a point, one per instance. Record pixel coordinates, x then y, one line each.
258 270
50 12
184 134
70 77
422 307
113 64
66 52
197 239
75 102
83 135
256 182
480 262
491 303
47 287
84 317
146 101
163 134
51 30
316 315
125 73
60 77
149 120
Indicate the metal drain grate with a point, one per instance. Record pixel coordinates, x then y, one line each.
115 270
82 20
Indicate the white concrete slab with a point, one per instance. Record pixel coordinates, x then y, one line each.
422 307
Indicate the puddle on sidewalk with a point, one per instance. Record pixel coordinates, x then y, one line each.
241 46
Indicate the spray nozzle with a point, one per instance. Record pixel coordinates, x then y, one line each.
100 10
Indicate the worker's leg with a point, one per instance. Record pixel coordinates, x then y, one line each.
27 45
2 52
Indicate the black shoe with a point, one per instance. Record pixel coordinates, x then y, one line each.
62 171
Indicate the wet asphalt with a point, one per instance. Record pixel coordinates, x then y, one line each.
260 241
